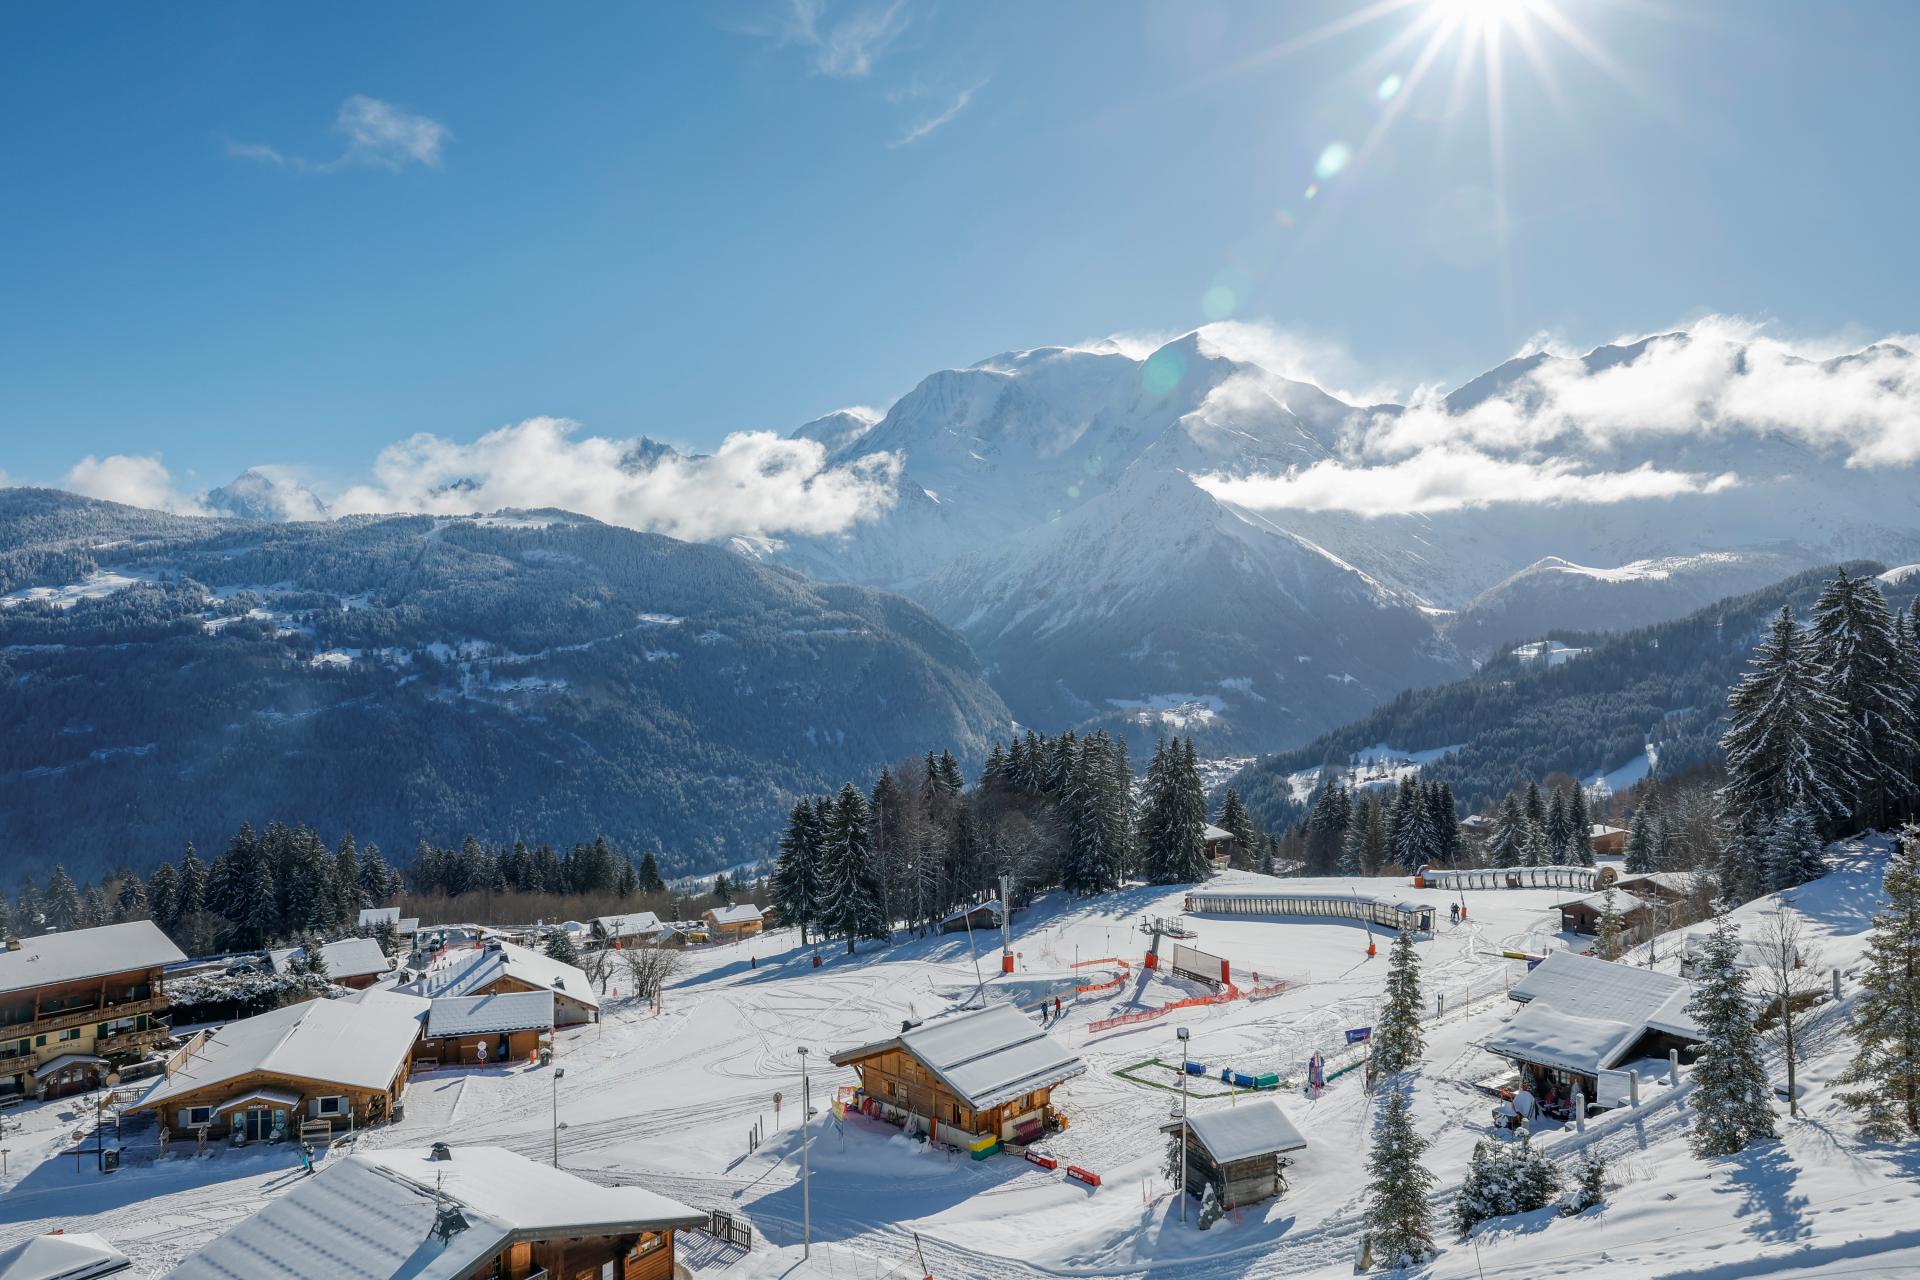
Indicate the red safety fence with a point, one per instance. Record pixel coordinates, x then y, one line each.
1087 1176
1261 993
1148 1015
1100 986
1045 1162
1088 964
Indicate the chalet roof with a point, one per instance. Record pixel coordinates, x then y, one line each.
486 1015
76 954
986 1057
80 1256
1587 987
345 958
413 1006
1572 1042
1622 902
1602 829
1210 833
535 968
991 904
1243 1131
370 916
280 1097
371 1216
1678 883
738 913
637 923
61 1063
335 1041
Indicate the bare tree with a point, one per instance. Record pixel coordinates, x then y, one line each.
1787 976
597 963
651 968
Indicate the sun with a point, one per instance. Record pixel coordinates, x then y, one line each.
1481 13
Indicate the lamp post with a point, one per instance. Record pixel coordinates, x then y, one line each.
1182 1033
806 1129
558 1074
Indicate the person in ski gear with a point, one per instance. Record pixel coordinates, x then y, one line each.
1056 1008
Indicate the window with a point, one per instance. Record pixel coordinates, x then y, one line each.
648 1242
197 1116
332 1106
62 1037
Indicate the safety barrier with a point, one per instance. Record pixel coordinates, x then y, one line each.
1088 964
1110 984
1045 1162
1087 1176
1148 1015
1100 986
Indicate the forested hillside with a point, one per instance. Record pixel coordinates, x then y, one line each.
530 674
1519 718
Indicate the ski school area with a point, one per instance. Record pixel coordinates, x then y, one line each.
973 1122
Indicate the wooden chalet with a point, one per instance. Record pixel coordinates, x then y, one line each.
728 924
76 1005
500 967
481 1030
1608 842
450 1213
343 1063
353 963
1582 915
965 1078
1585 1020
626 930
1221 847
981 917
1241 1150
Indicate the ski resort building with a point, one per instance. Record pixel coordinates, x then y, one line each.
354 963
1608 842
1240 1150
968 1079
500 967
742 920
475 1030
979 918
1582 915
1221 846
635 927
450 1213
75 1005
1584 1021
340 1062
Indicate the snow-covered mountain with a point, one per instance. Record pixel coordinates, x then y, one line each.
256 495
1101 524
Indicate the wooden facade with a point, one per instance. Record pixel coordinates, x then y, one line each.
644 1255
906 1091
94 1023
728 931
1237 1182
502 1046
567 1011
222 1106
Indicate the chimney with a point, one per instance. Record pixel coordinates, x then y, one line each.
441 1151
13 943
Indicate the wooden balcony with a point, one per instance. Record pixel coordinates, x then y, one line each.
80 1014
130 1043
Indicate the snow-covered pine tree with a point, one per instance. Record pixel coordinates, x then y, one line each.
1794 851
1534 806
1559 832
1533 845
1210 1210
994 776
1505 1178
1787 741
1236 821
1173 826
1191 845
1506 844
1444 824
1612 927
850 898
1732 1105
1397 1038
1399 1218
1579 828
560 947
1857 648
1590 1185
1885 1071
1641 853
1353 846
63 900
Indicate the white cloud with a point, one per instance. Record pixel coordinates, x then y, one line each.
1450 479
135 480
845 47
755 484
940 119
377 133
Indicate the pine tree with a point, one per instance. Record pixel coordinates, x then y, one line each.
1591 1187
131 901
796 873
1787 740
560 947
1641 854
1857 648
1533 846
1794 852
1506 844
1397 1038
1579 829
1445 821
1613 929
63 900
192 897
29 909
1353 846
1236 821
1886 1015
1559 831
1172 828
1733 1102
1398 1216
1534 806
1505 1178
651 881
1210 1210
850 903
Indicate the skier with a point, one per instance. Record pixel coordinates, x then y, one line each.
1056 1008
1316 1076
1453 912
306 1156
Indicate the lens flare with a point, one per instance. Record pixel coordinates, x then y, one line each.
1332 160
1163 371
1218 302
1388 87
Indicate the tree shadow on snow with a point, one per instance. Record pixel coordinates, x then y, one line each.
1763 1177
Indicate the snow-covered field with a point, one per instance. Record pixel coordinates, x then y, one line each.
669 1101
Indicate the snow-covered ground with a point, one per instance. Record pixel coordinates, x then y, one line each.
669 1101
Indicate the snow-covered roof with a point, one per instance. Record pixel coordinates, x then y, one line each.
370 1216
346 958
1677 882
78 954
279 1097
1622 902
535 968
1210 833
986 1057
1243 1131
1587 987
1572 1042
1602 829
486 1015
413 1006
370 916
409 924
738 913
81 1256
332 1041
53 1066
635 924
991 904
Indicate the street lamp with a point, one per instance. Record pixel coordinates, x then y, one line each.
1182 1033
806 1130
558 1074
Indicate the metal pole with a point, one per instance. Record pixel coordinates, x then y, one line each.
806 1128
1182 1033
557 1073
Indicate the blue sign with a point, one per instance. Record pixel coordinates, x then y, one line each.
1357 1034
1534 962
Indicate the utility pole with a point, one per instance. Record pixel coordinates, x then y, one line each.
1182 1033
1006 923
558 1074
806 1129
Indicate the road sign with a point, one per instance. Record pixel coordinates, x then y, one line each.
1358 1034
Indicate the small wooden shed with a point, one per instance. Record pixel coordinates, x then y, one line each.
1582 915
488 1029
1240 1149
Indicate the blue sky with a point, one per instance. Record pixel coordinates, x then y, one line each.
243 234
